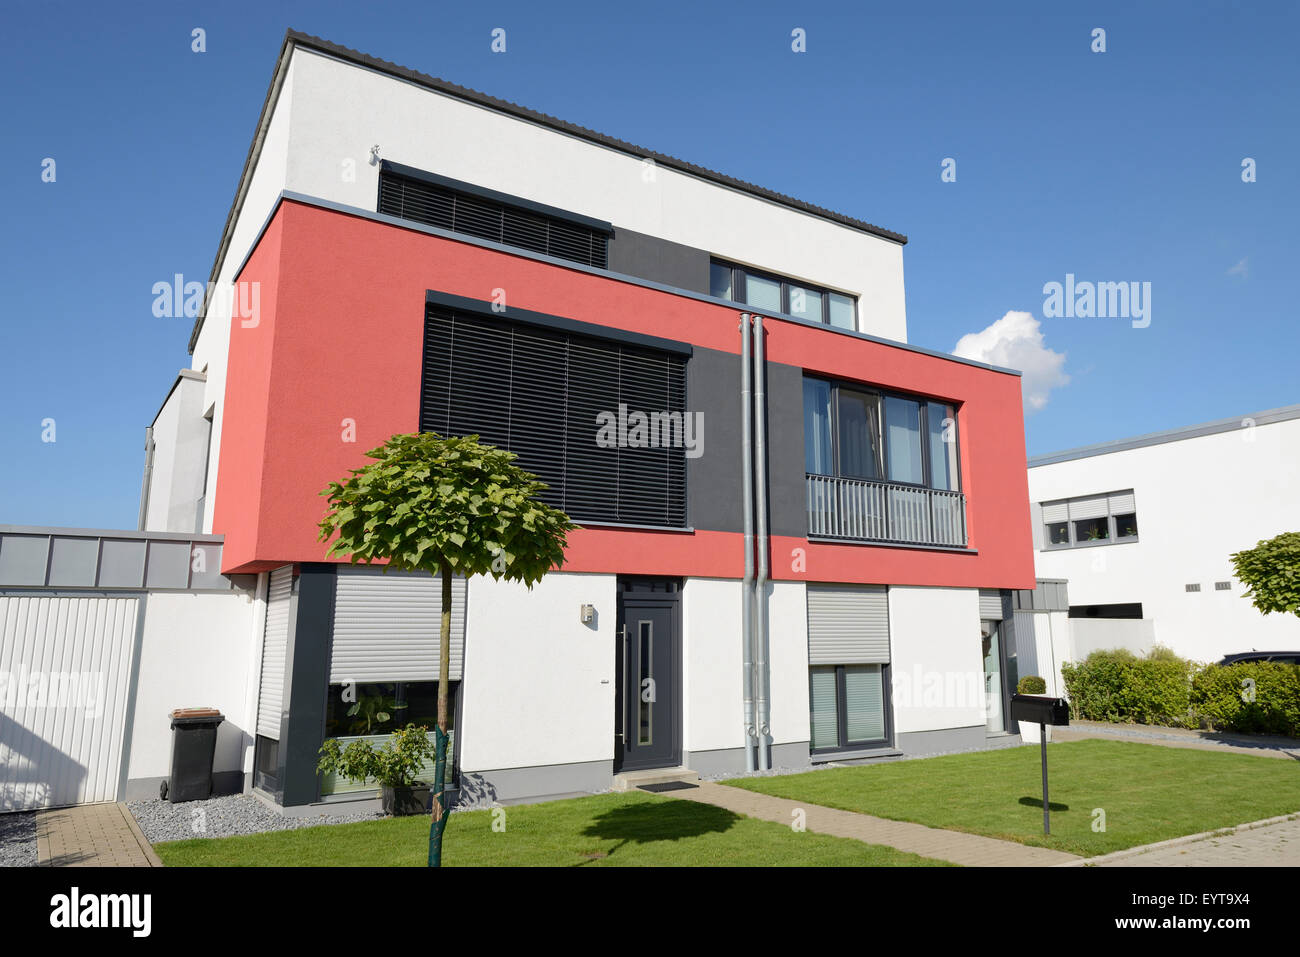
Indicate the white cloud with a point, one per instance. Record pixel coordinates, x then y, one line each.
1242 268
1016 342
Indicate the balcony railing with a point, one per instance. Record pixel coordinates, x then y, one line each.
867 511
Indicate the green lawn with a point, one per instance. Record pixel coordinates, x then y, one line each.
633 829
1148 792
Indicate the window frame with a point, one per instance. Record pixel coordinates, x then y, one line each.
881 395
1112 525
740 291
841 716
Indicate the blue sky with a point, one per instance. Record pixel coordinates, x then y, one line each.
1123 166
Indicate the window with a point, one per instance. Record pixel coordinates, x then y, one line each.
464 208
847 706
357 710
1090 520
768 293
543 391
855 432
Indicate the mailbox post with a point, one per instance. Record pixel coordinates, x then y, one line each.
1042 711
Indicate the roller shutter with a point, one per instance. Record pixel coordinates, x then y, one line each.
1092 506
1121 503
990 605
848 625
386 626
275 646
1054 512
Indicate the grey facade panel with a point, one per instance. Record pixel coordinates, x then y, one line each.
713 479
73 562
786 479
168 565
121 563
659 260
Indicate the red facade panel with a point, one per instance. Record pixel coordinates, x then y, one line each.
333 367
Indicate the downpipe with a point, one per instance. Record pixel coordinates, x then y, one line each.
761 676
747 509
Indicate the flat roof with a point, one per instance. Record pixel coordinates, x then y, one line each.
295 38
1281 414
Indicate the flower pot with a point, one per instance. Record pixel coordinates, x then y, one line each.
405 800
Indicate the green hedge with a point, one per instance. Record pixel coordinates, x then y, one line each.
1167 690
1219 697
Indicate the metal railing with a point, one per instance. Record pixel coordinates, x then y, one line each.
863 510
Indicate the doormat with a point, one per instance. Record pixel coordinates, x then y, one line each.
666 786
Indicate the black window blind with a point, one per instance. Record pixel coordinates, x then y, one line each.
460 212
539 392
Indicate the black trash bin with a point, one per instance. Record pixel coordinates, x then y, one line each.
194 743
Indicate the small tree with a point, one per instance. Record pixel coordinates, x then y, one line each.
446 506
1271 573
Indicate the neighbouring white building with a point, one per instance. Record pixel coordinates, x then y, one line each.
1143 528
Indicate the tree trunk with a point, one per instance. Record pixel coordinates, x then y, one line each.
439 822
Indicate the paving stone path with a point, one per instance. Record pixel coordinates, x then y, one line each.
970 850
1273 843
92 835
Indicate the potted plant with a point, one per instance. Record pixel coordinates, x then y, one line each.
394 767
1029 731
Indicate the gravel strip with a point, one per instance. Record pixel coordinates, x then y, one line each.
223 817
18 839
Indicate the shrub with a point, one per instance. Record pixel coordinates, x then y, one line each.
1164 689
1117 685
394 765
1031 684
1258 697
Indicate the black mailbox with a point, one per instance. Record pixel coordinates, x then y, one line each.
1040 709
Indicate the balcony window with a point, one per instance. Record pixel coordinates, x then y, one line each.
1126 525
903 440
817 427
881 467
859 431
777 294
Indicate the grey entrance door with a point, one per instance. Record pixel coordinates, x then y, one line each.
648 662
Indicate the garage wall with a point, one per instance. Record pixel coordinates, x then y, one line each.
195 653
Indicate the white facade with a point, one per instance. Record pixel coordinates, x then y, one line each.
539 684
329 113
1200 494
174 484
937 668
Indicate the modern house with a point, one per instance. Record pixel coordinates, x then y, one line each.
1143 528
801 538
